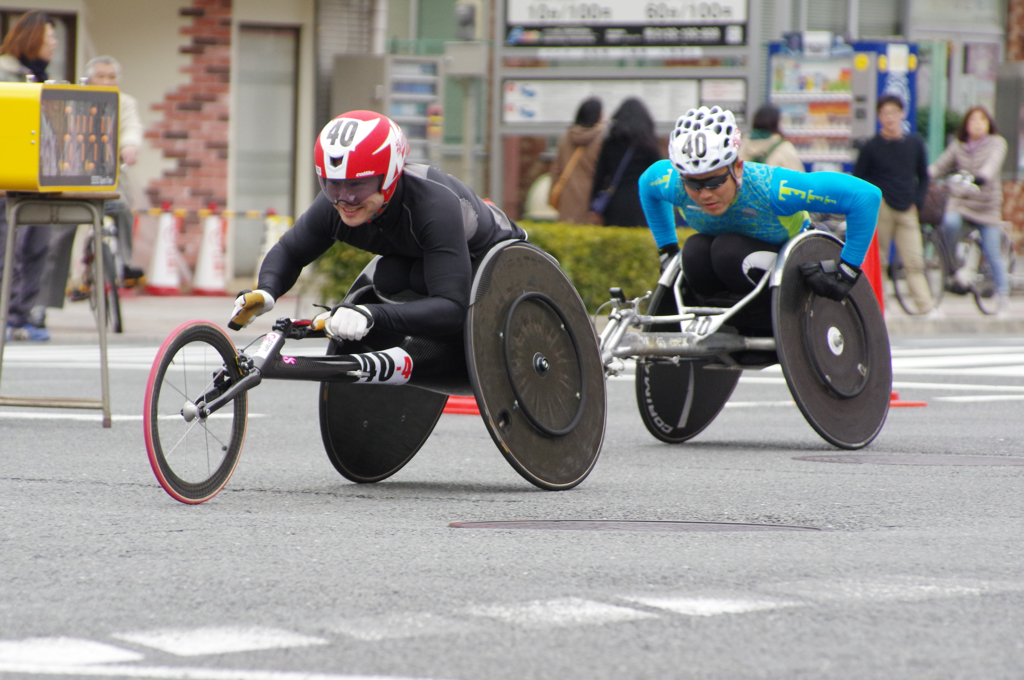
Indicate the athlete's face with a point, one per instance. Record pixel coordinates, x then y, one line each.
715 201
356 200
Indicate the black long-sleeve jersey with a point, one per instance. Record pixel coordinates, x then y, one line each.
431 216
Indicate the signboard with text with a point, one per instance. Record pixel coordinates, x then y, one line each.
625 23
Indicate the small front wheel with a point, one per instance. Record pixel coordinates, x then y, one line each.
192 456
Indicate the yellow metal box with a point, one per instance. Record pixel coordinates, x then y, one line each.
58 137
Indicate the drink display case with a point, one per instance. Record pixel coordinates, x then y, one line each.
827 102
407 89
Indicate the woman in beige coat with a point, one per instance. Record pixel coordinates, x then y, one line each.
572 180
765 143
979 151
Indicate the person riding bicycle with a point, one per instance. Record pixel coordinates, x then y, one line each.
743 213
429 228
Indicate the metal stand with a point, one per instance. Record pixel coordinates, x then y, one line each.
24 209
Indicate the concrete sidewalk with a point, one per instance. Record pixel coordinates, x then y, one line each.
149 319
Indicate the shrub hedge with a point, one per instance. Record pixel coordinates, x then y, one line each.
594 258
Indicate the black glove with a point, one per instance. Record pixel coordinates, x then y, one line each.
831 278
666 253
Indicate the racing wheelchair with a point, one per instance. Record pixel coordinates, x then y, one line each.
835 356
528 355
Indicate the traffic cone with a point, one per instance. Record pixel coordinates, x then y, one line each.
210 278
465 406
274 227
872 269
163 277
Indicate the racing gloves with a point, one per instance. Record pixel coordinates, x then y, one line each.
666 253
345 322
830 278
248 305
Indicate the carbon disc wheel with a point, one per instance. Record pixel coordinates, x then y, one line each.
535 367
677 401
193 457
835 355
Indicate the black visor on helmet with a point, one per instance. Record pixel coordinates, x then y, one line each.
350 191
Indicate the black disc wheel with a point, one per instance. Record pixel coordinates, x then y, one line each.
535 367
835 355
193 456
370 432
678 400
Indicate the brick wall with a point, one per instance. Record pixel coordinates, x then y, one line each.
194 128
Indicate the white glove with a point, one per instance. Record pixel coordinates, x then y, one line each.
248 305
349 324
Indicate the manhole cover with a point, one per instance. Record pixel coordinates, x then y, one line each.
916 459
624 525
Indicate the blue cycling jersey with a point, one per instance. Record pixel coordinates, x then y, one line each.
771 205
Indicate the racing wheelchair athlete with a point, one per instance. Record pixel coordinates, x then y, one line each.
754 286
457 302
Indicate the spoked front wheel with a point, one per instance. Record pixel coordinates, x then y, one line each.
193 457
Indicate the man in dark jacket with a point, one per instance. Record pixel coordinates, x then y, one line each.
897 163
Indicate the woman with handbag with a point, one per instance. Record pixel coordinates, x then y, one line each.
573 169
630 148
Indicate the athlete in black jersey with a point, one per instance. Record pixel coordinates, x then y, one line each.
429 228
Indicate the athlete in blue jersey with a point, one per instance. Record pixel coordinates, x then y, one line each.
744 212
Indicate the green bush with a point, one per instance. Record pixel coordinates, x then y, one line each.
594 259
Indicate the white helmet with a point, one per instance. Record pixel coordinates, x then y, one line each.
704 140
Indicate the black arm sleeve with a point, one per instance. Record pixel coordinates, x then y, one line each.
308 239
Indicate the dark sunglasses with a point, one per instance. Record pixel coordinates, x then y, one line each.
707 183
350 191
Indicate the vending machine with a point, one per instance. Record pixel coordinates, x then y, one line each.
827 97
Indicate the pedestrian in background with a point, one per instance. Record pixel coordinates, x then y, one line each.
897 163
630 148
26 51
979 151
765 143
575 162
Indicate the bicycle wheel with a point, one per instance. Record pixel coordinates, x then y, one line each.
193 458
110 292
934 254
110 289
984 288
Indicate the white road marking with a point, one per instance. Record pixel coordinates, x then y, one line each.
710 606
981 398
223 640
758 404
14 415
413 624
891 589
561 612
118 356
63 651
181 673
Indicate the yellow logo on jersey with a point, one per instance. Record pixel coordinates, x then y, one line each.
806 195
664 179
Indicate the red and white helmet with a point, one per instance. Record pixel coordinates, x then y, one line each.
362 144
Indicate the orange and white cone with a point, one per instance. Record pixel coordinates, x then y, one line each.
210 276
163 277
274 227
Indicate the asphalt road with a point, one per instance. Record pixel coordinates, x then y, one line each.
862 570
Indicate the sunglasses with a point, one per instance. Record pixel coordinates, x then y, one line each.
350 191
708 182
